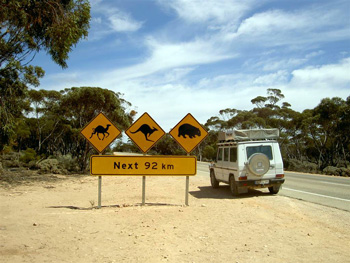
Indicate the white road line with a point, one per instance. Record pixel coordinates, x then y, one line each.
348 185
318 181
336 198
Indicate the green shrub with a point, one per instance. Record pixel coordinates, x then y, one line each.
301 166
28 156
331 170
67 162
49 166
344 172
209 153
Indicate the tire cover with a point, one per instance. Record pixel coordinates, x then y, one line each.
258 164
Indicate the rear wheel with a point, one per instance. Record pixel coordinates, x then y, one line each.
233 186
274 189
213 181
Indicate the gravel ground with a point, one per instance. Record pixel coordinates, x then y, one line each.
56 220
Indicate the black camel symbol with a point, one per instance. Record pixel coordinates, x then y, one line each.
146 130
99 129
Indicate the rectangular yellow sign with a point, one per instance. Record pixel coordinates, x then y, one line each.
156 165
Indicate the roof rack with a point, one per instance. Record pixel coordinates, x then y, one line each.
250 135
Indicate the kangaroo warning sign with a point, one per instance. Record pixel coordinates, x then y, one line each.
100 132
145 132
188 133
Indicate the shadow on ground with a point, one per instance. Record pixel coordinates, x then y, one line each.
223 192
113 206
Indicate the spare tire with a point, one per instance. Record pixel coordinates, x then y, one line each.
258 164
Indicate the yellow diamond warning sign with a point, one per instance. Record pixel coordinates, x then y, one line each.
100 132
188 133
145 132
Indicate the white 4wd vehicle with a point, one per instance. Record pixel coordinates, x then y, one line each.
248 159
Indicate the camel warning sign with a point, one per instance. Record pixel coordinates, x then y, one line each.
100 132
145 132
188 133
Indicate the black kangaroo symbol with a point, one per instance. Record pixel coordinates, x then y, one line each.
99 129
146 130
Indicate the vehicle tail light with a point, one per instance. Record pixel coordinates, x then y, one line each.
279 175
242 178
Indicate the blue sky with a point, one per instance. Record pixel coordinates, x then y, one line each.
173 57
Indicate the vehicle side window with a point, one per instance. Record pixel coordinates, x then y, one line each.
233 155
226 151
267 150
220 154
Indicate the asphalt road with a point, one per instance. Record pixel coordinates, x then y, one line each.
325 190
321 189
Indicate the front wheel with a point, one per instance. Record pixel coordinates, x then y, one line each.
213 181
233 186
274 189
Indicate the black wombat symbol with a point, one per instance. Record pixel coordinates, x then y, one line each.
99 129
188 129
146 130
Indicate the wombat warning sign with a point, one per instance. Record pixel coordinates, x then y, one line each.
188 133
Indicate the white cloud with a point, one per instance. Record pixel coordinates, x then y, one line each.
332 75
168 56
273 61
122 22
271 21
107 20
278 27
279 77
217 11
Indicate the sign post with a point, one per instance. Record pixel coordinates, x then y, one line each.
188 133
99 191
100 132
145 132
143 190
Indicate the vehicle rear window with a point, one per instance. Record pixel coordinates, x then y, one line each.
267 150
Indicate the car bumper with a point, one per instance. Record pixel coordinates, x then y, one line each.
260 183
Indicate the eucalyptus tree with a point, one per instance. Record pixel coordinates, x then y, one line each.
327 127
79 105
26 27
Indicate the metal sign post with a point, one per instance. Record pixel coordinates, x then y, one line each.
100 132
144 188
188 133
99 189
145 132
187 187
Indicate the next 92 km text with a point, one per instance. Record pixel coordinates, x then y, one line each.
143 165
147 165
